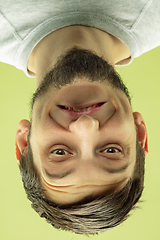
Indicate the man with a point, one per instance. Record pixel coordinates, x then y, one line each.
82 156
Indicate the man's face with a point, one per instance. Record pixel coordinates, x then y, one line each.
83 136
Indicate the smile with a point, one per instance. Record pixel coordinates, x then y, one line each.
79 110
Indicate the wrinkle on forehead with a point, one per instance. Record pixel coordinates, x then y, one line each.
81 188
62 197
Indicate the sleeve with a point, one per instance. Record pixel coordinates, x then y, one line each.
9 41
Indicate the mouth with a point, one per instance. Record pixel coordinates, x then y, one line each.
79 110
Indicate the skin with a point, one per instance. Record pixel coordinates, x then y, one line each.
84 142
81 37
93 153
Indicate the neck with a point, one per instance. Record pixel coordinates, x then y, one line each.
45 54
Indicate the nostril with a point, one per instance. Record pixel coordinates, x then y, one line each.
85 124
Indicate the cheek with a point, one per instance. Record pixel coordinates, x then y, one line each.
123 129
60 120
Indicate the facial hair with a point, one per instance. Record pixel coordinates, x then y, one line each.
78 63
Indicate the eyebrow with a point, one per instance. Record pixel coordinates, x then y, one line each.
56 176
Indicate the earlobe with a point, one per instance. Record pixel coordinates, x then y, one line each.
142 131
21 138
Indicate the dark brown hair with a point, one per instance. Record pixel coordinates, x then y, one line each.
88 216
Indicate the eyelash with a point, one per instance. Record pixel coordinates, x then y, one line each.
116 151
59 150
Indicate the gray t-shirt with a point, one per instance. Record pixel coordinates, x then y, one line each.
24 23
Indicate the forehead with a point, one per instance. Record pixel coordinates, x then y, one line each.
71 193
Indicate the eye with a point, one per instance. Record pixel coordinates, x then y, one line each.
111 150
60 152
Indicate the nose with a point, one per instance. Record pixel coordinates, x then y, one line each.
84 125
86 132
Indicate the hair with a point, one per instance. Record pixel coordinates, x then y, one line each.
88 216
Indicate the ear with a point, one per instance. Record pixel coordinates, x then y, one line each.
21 138
142 131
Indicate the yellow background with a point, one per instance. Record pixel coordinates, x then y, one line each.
17 219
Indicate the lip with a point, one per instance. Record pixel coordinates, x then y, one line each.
89 112
85 105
